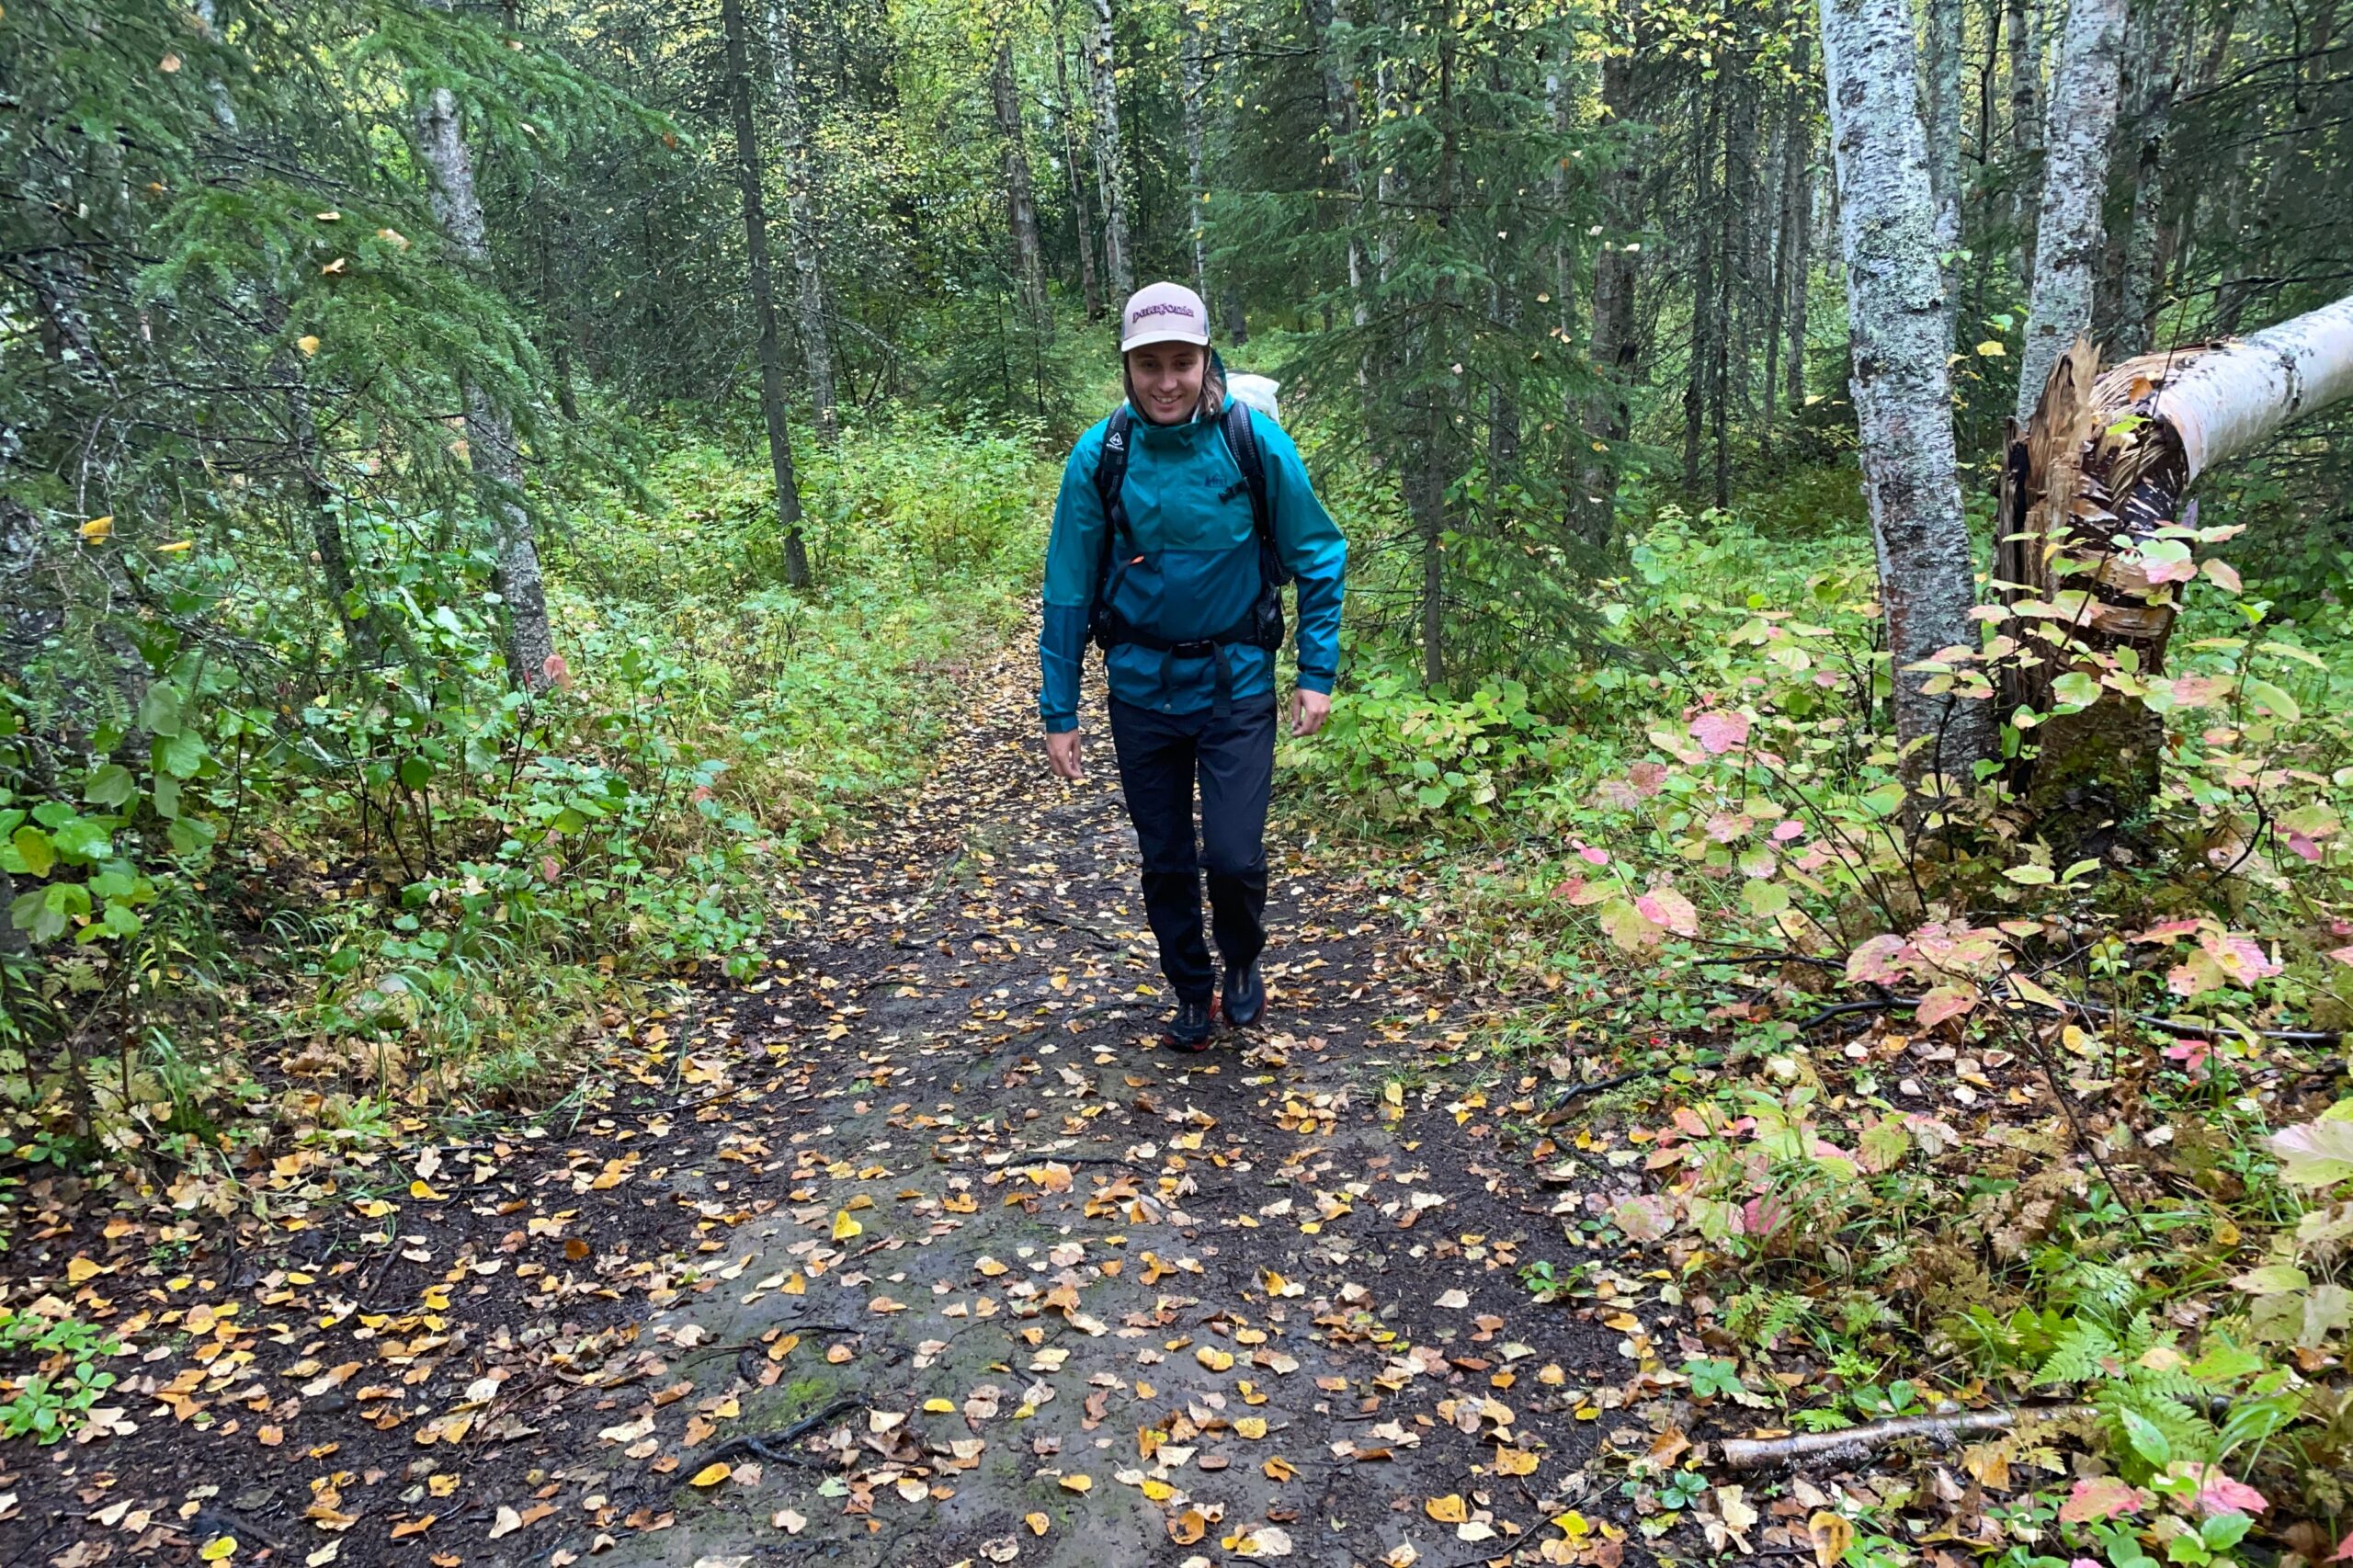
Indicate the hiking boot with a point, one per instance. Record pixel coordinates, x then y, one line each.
1190 1028
1246 996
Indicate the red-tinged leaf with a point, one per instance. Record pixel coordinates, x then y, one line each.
2101 1497
2221 573
1664 906
1945 1002
1627 926
1875 961
1720 731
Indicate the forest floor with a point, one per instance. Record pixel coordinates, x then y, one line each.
913 1251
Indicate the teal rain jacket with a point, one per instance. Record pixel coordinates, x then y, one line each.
1189 513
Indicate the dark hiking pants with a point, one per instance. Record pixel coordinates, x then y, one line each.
1161 756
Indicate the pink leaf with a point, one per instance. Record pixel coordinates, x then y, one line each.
1875 961
1592 855
2344 1552
2304 848
1785 830
1670 909
2223 574
2239 956
2220 1493
2342 955
1720 732
1647 778
2101 1497
1643 1219
1945 1001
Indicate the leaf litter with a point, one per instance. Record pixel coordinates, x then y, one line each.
910 1245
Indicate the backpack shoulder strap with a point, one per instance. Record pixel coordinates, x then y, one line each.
1112 472
1242 440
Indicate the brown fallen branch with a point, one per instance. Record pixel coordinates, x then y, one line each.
1851 1443
2179 1028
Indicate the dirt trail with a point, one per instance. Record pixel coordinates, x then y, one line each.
1060 1298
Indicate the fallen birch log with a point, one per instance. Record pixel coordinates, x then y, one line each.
1851 1443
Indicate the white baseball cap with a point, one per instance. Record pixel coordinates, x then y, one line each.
1164 313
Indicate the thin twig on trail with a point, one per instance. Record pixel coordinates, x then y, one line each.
759 1443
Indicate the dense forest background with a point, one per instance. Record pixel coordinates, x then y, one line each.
484 487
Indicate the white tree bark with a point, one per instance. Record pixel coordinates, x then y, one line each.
2234 396
1108 163
1196 192
1899 332
1020 196
490 434
2075 180
2123 449
1944 129
801 230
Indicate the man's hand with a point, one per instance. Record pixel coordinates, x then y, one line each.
1061 753
1308 710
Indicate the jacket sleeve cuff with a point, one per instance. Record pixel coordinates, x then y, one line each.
1058 723
1311 681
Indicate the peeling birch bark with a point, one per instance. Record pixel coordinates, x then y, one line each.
2103 465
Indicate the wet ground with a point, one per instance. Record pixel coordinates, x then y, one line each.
914 1250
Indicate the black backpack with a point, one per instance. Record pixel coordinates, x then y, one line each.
1261 626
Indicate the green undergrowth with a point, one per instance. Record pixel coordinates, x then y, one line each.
278 906
2076 1136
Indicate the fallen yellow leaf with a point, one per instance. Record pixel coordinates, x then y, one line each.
712 1474
845 1227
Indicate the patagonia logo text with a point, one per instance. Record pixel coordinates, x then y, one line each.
1161 307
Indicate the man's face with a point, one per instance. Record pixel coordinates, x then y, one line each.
1168 378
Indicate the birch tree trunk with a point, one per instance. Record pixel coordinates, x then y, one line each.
1801 217
1090 287
1189 73
1944 134
1021 201
1728 373
1340 115
1790 258
1109 162
2020 19
1899 336
2123 450
2075 180
801 228
755 236
491 448
1609 413
1237 325
1706 320
2147 146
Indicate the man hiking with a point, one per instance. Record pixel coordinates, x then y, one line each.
1179 518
